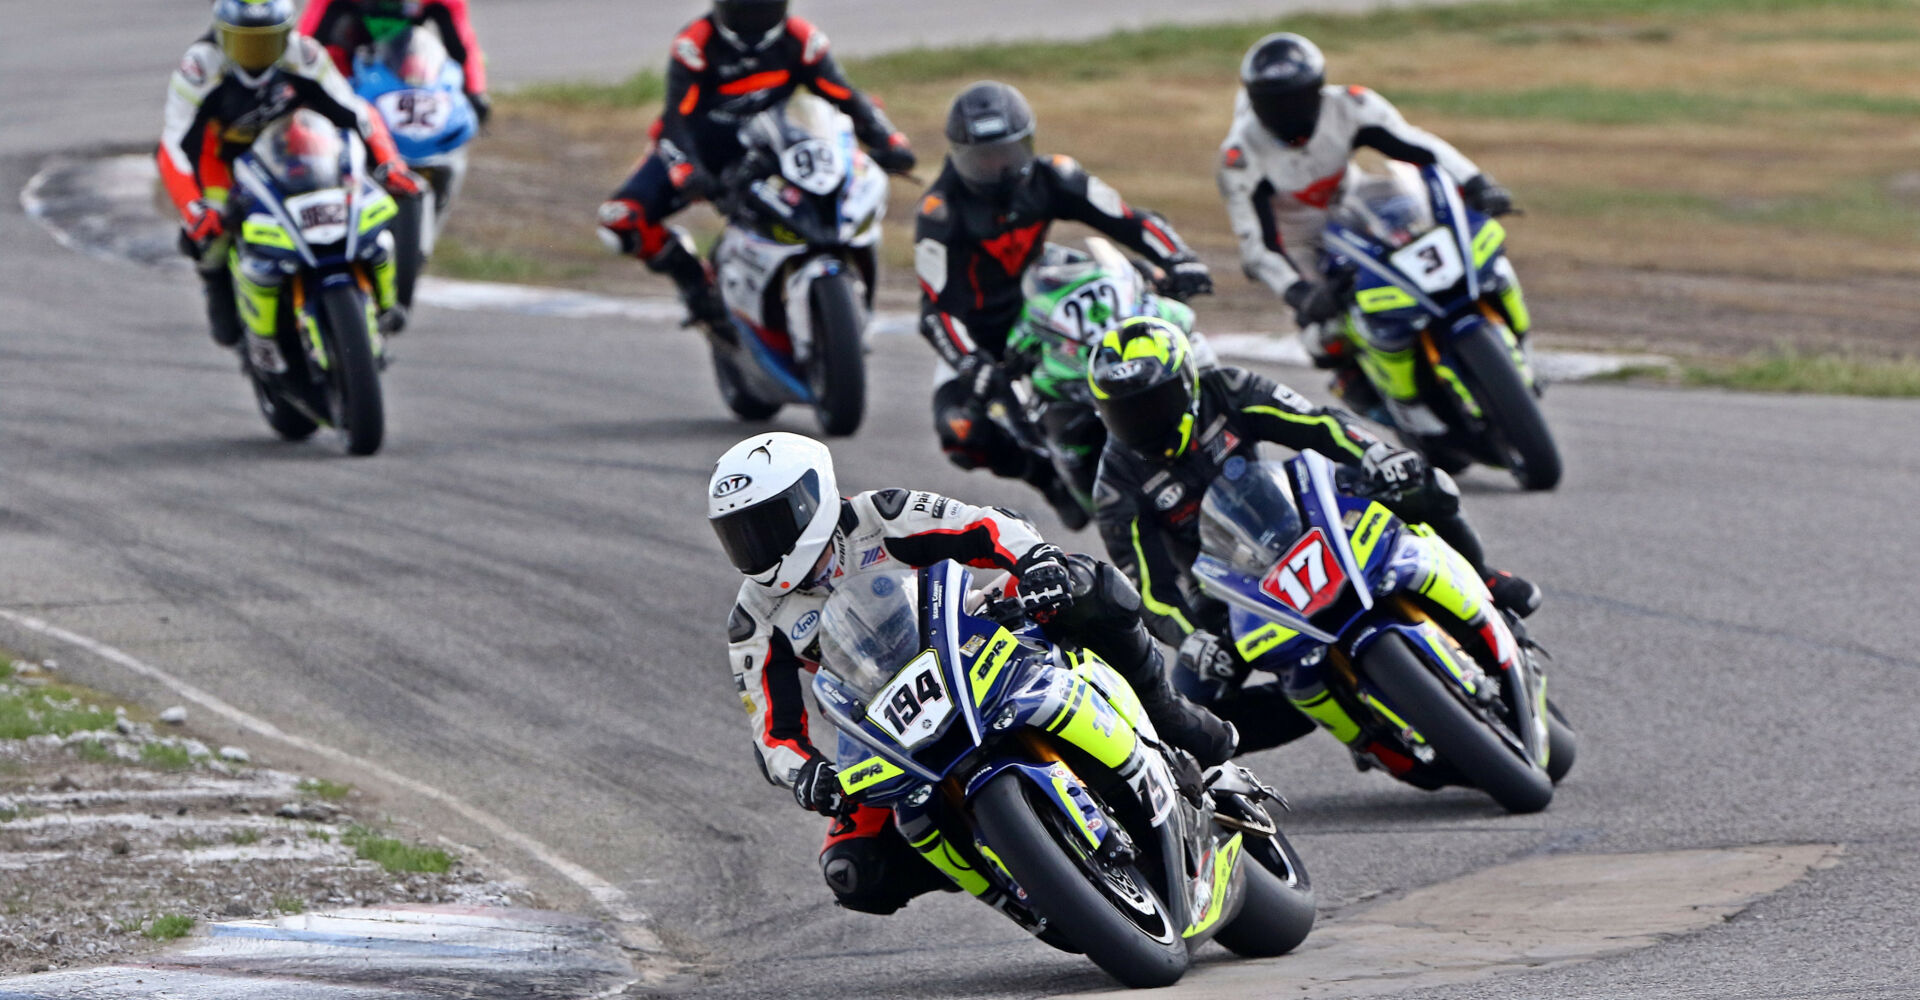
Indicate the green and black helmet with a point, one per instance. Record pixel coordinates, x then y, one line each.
1147 387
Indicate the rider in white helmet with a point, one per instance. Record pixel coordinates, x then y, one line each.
776 507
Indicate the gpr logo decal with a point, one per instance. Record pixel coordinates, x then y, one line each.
731 485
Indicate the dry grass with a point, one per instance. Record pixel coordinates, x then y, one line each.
1739 147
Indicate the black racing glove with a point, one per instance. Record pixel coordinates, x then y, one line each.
1393 470
985 380
816 787
1485 195
1186 277
896 157
1318 302
1214 660
482 107
1045 587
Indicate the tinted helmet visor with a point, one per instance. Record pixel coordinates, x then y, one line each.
1149 422
254 49
993 167
756 538
1289 114
753 20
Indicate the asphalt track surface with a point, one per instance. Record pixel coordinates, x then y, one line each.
516 601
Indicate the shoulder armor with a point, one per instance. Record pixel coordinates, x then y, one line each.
203 66
1229 377
306 57
690 46
1358 92
890 502
1065 166
933 208
813 41
739 624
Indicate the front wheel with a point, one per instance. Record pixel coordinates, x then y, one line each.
1513 415
1562 743
289 423
734 391
353 376
838 375
1461 739
1109 912
1278 911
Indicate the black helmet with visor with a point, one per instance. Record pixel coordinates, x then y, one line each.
752 24
990 139
1147 387
1283 74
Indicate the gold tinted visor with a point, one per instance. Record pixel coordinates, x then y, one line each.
254 49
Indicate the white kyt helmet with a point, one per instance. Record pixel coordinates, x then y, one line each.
774 503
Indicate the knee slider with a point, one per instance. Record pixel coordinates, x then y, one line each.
857 873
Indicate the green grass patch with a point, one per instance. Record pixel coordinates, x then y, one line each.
35 711
94 752
169 927
243 837
637 91
1856 208
6 670
453 258
1584 105
320 788
396 855
165 758
1824 374
289 904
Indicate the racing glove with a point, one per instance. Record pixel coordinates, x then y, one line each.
1045 588
482 107
1318 302
1215 661
399 179
1393 469
1186 277
203 225
699 182
1485 195
816 787
985 381
898 157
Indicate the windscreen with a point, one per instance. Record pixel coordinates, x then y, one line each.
1248 518
415 56
1392 207
870 628
303 152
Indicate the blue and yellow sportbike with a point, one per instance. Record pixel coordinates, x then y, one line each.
1030 775
1437 318
1381 632
421 94
309 257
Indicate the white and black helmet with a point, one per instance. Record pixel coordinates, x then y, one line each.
774 503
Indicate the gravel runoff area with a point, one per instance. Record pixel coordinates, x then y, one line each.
118 835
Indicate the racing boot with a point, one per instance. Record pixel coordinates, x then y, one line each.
223 317
697 292
1512 593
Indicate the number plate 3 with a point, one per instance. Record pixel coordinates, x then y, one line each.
914 704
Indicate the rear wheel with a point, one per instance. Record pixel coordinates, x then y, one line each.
353 376
1110 912
1512 413
1278 911
734 391
838 373
1460 738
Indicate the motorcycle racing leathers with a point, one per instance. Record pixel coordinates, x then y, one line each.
970 254
1278 198
714 86
214 111
773 640
337 25
1149 515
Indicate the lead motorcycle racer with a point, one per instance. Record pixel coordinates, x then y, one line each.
983 222
248 71
739 60
773 501
1286 164
1172 428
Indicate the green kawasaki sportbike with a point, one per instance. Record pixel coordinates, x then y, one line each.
1030 775
1073 299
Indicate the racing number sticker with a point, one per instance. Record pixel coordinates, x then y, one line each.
1308 577
914 704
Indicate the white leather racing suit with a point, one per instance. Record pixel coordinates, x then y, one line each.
774 636
1278 196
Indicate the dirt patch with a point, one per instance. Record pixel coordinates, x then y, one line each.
1707 184
119 833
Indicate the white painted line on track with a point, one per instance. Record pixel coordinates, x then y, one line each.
613 899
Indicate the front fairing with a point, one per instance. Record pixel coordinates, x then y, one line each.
1405 282
428 117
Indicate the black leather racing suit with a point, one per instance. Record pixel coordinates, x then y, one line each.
1149 515
970 254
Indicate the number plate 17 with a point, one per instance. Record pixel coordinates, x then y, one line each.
1308 577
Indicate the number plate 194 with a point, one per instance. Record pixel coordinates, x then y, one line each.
914 703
